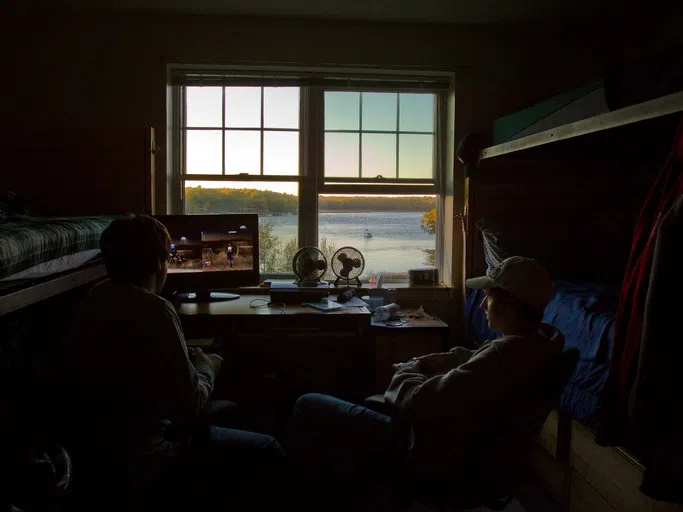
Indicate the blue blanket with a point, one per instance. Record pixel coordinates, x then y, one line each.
585 314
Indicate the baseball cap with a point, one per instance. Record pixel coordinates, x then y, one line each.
523 278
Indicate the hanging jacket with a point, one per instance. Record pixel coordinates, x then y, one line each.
613 414
654 419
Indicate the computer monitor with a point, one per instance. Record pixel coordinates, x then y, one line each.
212 252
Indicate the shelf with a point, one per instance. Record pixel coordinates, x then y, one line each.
604 123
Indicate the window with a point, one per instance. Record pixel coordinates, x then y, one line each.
239 133
388 231
326 160
242 131
379 135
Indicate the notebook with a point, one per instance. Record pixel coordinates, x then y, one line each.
324 306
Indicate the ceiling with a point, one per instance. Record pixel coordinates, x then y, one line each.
425 11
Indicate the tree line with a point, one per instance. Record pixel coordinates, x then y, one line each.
231 200
238 200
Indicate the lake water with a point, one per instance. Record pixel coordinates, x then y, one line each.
396 245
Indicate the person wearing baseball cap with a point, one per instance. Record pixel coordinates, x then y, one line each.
463 409
450 398
519 282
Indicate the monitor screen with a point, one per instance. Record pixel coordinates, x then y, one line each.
211 252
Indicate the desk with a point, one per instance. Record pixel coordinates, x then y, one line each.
242 307
273 355
396 343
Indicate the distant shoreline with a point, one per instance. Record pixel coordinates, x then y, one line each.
370 211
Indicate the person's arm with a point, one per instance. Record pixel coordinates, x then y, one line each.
462 355
181 386
441 362
417 395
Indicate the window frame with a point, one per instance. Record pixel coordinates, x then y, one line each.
328 182
311 179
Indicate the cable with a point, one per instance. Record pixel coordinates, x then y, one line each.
282 306
267 304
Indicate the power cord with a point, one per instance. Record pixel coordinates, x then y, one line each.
267 304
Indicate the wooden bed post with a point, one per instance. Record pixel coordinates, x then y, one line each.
150 170
563 454
469 153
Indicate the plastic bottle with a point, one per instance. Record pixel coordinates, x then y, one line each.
384 313
390 295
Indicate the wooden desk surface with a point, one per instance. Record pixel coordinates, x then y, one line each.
242 307
407 322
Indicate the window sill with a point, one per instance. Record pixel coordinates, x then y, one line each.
401 288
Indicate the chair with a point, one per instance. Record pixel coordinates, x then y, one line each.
101 479
512 439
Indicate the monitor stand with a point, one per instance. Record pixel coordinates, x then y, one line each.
206 296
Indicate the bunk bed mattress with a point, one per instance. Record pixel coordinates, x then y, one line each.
56 266
28 242
585 313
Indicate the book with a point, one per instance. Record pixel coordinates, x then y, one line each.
324 306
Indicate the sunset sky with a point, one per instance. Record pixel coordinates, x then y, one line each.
380 112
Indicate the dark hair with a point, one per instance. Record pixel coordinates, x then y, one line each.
133 247
527 312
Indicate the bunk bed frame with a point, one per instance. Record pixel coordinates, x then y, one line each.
50 287
578 473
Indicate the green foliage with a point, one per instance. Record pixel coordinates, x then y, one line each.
430 257
238 200
247 200
376 203
328 248
268 246
428 222
286 255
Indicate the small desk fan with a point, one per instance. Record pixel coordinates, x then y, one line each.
348 264
309 265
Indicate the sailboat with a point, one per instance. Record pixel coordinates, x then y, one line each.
366 233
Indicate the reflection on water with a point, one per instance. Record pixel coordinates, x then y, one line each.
397 242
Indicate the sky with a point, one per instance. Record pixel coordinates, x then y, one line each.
380 111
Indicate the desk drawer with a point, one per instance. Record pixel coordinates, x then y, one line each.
336 324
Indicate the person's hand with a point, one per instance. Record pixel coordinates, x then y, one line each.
212 360
177 300
216 362
434 364
413 363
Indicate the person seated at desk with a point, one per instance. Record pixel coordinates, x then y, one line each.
134 379
445 401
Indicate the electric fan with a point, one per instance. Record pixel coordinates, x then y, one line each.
309 265
348 264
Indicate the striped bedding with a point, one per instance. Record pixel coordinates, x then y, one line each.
29 241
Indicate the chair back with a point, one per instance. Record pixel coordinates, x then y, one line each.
504 459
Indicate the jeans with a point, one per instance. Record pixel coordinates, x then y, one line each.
333 440
230 465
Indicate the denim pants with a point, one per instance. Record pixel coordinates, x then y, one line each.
333 440
231 465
